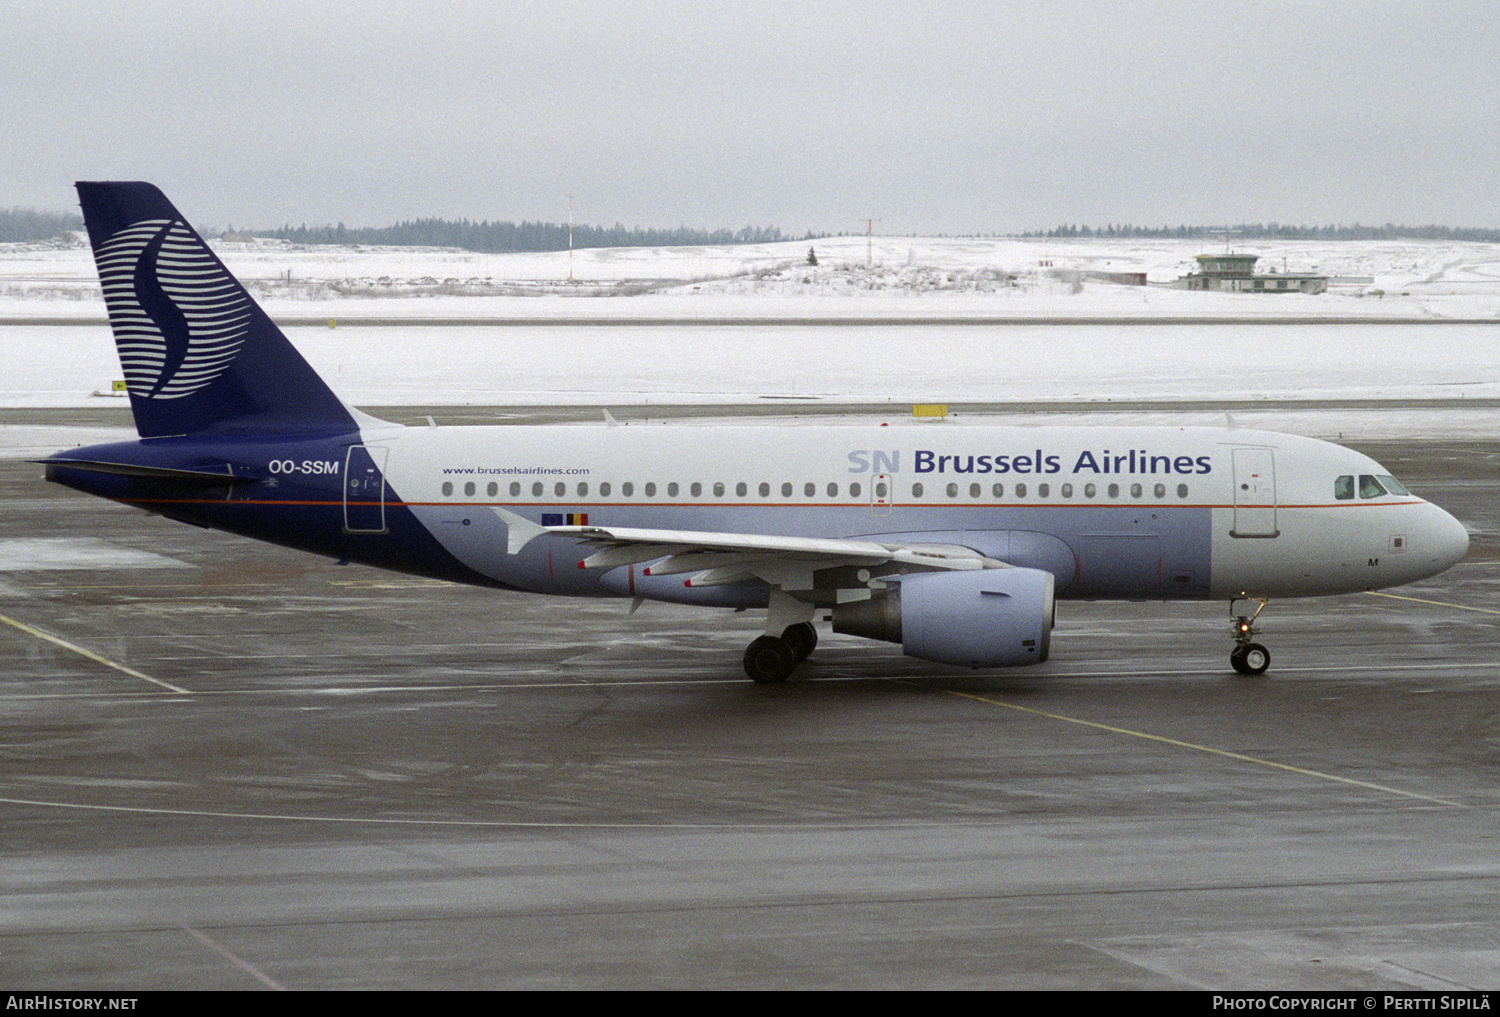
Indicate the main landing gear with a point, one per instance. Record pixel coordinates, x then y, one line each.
772 659
1248 657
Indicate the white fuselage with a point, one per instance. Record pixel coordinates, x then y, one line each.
1126 512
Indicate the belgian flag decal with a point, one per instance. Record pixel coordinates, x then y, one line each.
565 518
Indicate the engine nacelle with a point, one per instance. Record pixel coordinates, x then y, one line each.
979 618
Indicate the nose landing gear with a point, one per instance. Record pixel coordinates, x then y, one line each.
1248 657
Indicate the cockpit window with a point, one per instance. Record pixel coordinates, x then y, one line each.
1392 484
1343 488
1369 487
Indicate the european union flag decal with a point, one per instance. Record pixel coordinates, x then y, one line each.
565 518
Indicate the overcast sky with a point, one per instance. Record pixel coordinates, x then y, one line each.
928 116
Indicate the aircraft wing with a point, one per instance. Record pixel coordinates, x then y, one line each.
788 563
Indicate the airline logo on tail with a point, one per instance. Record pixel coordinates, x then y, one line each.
179 319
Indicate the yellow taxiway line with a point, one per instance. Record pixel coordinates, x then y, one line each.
1194 746
90 654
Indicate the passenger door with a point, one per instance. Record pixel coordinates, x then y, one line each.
1254 493
364 489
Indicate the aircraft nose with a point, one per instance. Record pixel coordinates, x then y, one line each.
1447 539
1455 540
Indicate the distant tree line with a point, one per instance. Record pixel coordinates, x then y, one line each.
495 237
1277 231
19 225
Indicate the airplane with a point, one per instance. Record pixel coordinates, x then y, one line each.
953 541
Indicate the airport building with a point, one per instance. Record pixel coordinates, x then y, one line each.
1235 273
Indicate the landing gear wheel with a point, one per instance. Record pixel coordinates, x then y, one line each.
1252 658
802 638
769 660
1248 657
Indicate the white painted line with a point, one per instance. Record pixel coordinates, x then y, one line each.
519 824
579 684
243 965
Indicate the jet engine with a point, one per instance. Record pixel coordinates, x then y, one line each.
978 618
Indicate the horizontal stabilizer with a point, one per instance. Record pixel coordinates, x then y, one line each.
206 478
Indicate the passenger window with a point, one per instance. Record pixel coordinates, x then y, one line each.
536 489
604 489
1369 487
718 490
560 489
740 489
696 490
469 490
786 489
627 489
1089 490
447 488
974 490
1135 490
765 489
808 490
1114 490
1042 490
953 490
880 489
1067 490
998 490
833 490
493 489
515 488
672 489
916 490
583 490
1160 490
650 489
1182 490
1343 488
1020 490
854 490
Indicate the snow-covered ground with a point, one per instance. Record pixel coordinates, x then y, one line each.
883 277
783 359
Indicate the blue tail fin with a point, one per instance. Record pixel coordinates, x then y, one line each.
199 354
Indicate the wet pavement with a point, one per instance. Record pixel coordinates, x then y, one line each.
228 765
